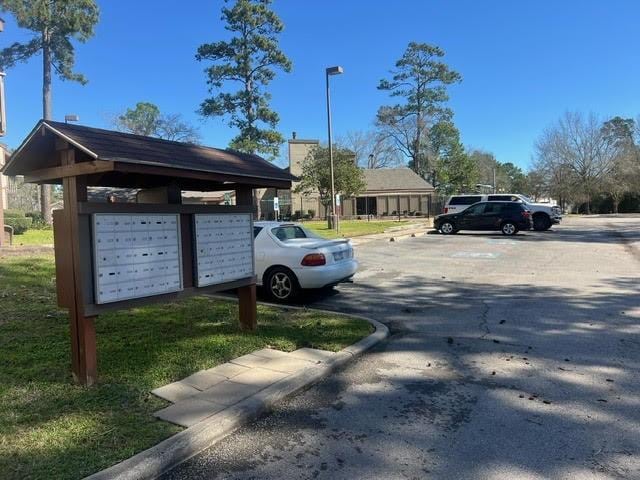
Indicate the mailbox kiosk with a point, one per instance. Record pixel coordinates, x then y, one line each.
119 255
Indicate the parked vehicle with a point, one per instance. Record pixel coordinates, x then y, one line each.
507 217
543 214
289 257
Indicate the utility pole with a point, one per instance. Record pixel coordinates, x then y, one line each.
3 128
495 190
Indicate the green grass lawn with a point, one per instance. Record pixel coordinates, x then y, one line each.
348 229
51 428
34 237
353 228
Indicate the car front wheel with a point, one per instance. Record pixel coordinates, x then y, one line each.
282 284
509 228
447 228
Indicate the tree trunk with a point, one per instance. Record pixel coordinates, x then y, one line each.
45 190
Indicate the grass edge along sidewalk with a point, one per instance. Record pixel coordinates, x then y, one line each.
348 229
50 428
353 228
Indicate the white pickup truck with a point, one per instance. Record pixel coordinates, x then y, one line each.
544 215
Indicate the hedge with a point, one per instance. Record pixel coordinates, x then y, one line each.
13 214
20 225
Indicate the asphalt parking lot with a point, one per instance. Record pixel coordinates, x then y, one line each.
510 358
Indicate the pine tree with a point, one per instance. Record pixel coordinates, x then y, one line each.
55 23
248 59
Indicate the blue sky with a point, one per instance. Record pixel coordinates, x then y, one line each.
523 64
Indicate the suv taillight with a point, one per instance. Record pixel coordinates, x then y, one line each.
526 213
446 209
313 260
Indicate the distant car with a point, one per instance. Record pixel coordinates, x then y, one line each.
544 215
507 217
289 257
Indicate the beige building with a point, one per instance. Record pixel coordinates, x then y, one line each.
4 180
389 192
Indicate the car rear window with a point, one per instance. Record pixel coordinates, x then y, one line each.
464 200
256 231
288 232
494 207
513 206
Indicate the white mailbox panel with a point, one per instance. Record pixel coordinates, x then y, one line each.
224 247
136 255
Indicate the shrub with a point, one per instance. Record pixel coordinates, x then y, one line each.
312 213
37 220
13 214
20 225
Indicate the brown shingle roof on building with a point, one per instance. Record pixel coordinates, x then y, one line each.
142 150
395 180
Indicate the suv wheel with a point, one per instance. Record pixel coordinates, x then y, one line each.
447 228
541 222
509 228
282 284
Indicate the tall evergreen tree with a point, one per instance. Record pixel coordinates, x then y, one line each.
248 59
55 24
420 79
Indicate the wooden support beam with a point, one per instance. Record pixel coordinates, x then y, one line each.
244 196
247 308
72 170
83 333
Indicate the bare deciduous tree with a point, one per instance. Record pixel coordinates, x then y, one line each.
372 149
577 154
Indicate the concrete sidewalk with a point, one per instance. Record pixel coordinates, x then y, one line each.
213 403
208 392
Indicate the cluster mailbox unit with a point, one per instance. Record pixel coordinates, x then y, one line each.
136 256
118 255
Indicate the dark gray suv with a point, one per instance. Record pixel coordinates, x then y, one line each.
507 217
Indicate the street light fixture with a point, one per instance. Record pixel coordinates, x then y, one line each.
333 218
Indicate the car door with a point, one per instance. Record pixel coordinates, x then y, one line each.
471 218
491 217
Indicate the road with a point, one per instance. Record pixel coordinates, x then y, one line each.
509 359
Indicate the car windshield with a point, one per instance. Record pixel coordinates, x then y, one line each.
290 232
526 199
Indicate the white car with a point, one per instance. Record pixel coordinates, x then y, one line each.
290 257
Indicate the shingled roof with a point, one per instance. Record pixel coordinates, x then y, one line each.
125 149
401 180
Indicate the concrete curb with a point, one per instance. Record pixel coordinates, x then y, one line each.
167 454
411 234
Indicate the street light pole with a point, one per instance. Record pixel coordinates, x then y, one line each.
3 127
333 219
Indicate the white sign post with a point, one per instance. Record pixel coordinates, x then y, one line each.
276 206
336 213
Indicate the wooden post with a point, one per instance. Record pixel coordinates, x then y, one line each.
247 310
83 332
